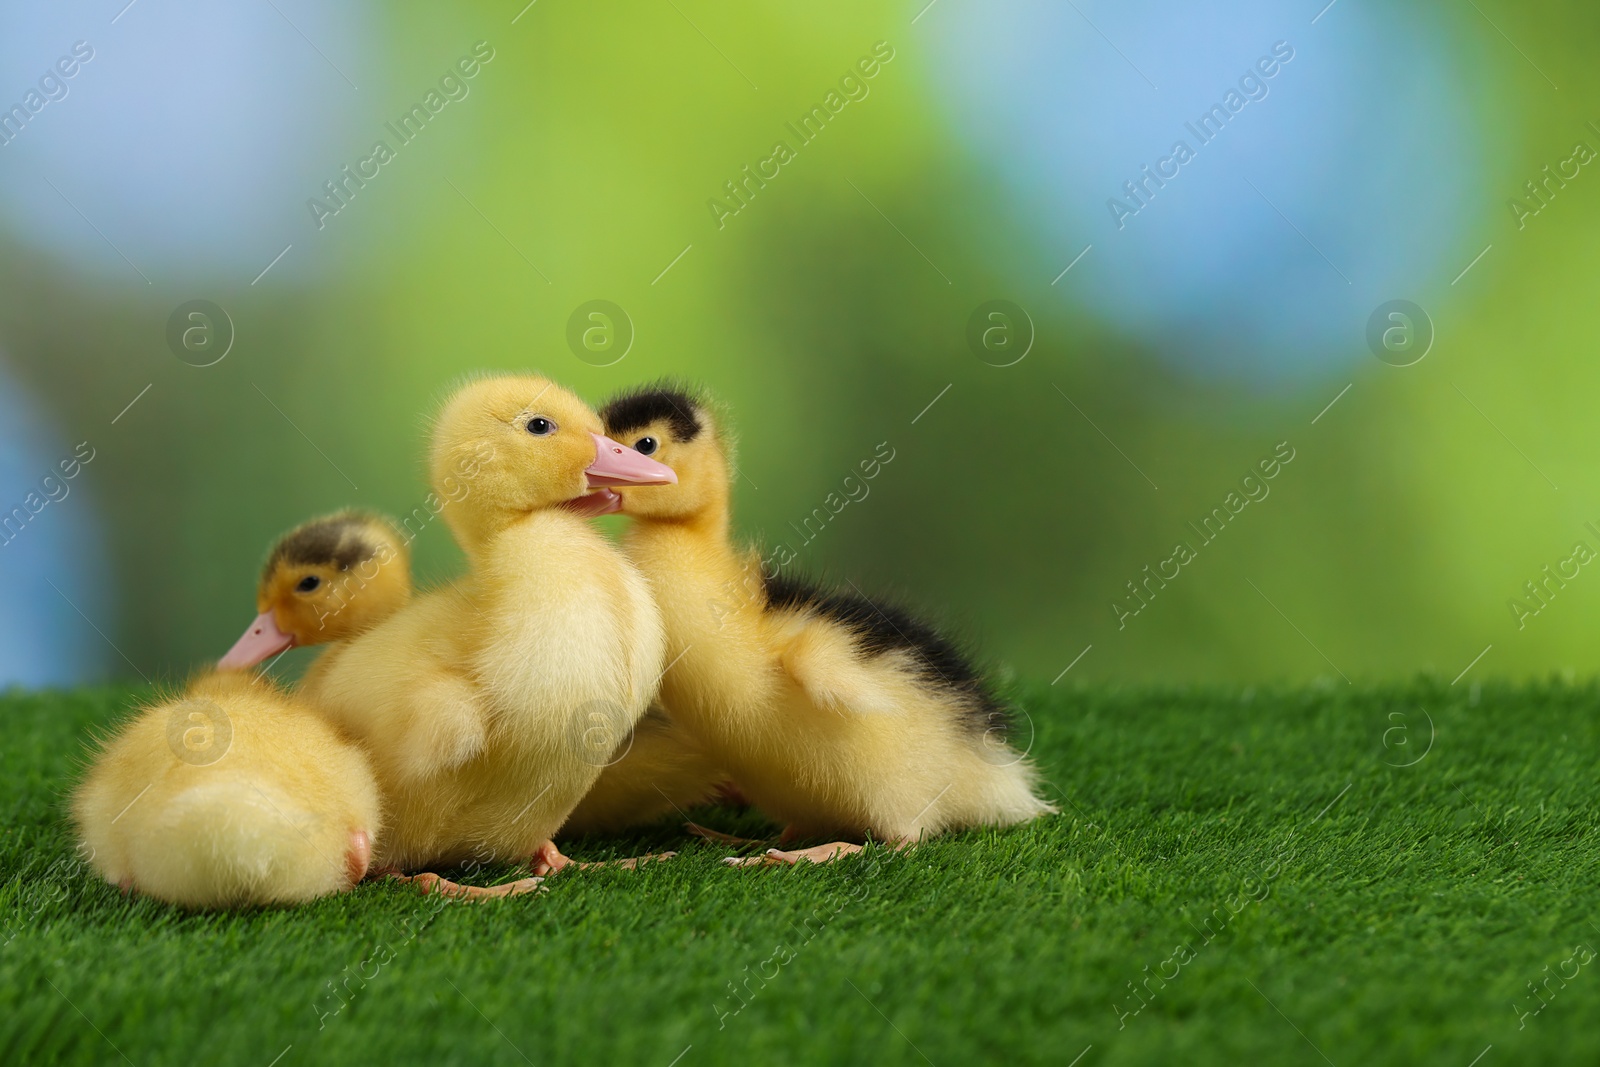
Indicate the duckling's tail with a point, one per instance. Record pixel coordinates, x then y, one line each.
1000 788
1016 794
228 841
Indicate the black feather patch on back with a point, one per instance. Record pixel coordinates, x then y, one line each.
638 408
882 628
336 541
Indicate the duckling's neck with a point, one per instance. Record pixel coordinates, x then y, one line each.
703 536
719 674
696 572
479 531
512 531
708 527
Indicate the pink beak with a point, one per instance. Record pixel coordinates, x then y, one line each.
262 640
617 464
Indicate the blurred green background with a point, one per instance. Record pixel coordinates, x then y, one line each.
833 309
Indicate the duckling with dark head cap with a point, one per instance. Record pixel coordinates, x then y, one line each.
836 715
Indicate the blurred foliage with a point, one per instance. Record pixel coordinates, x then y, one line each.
580 166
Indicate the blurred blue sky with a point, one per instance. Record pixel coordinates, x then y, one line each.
1065 102
191 139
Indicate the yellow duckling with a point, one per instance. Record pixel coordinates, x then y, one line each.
232 794
835 715
476 700
339 575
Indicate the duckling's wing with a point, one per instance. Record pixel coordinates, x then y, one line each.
826 661
397 688
852 653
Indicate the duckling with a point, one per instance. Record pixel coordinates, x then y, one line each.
233 793
473 699
339 575
330 579
836 715
325 580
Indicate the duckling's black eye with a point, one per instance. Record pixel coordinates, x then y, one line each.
540 426
646 446
308 584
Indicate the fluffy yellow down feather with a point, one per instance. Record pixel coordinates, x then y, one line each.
232 794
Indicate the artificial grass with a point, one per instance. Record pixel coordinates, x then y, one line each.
1332 907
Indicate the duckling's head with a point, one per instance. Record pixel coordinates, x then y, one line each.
678 427
325 580
505 447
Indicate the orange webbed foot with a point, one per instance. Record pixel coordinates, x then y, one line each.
431 884
777 856
358 857
548 859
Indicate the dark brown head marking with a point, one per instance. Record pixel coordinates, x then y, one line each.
638 408
337 541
